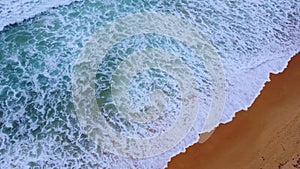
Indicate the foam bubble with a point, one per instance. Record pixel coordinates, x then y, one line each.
39 127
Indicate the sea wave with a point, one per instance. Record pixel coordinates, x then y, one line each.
38 122
12 12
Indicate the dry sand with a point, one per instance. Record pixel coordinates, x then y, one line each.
267 136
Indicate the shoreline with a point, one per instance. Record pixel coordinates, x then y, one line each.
267 135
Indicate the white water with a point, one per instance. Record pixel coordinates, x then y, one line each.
254 39
14 11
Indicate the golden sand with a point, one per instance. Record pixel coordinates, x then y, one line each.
267 136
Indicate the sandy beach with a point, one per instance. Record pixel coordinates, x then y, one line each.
266 136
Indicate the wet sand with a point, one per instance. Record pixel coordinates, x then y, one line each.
267 136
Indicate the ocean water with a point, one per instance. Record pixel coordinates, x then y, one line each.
40 50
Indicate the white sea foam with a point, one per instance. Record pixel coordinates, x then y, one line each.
38 123
14 11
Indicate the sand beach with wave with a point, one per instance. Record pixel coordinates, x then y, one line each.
265 136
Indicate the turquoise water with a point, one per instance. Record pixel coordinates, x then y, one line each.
39 126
